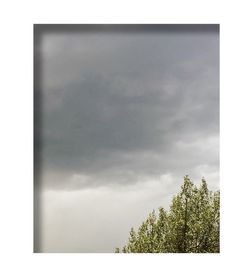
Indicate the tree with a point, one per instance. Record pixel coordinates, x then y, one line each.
192 225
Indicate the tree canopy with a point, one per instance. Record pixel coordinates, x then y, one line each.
192 224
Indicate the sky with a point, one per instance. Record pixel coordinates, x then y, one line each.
122 114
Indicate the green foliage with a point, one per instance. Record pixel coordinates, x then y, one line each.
192 225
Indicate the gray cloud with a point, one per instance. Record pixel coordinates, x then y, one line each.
109 96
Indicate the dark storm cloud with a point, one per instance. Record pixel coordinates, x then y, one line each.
129 104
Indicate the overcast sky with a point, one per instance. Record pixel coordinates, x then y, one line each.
124 114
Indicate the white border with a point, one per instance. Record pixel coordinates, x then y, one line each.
17 259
